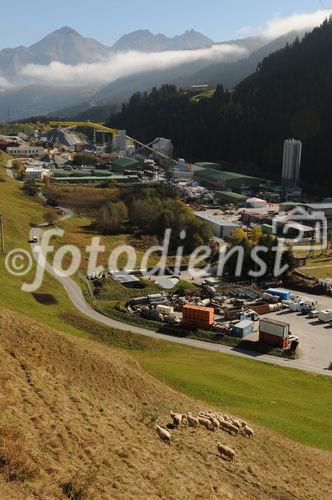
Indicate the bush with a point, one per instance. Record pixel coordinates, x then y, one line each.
30 187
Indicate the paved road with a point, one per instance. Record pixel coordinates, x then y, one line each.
76 296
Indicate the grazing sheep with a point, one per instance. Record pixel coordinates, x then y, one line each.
230 428
204 422
226 452
248 432
236 422
215 423
163 434
192 421
177 419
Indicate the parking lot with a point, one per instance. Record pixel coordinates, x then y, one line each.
315 337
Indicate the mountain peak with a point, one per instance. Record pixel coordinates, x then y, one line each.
145 41
66 30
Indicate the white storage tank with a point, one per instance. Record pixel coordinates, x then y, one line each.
167 310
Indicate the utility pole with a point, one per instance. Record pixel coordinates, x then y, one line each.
2 234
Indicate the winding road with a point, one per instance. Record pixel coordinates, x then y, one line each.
77 298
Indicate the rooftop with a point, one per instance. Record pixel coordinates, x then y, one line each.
216 219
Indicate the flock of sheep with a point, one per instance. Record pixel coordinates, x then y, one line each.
210 421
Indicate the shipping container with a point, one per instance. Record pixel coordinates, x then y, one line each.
274 340
197 316
261 308
274 327
243 329
279 292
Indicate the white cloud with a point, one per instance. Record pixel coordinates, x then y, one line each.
4 84
129 63
300 22
279 25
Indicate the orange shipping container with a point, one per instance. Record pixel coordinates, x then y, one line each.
273 340
198 316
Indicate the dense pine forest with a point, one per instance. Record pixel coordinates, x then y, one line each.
290 95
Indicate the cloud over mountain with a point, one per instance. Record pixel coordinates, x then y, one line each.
122 64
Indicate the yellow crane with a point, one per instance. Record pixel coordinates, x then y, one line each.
96 126
103 128
114 131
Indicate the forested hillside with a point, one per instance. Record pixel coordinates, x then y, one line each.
290 95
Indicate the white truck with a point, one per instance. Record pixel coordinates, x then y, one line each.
325 316
294 306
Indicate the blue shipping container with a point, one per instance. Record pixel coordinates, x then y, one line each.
243 329
279 292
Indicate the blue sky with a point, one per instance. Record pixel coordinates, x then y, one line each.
106 20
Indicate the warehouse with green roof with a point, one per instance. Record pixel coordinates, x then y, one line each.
124 164
227 180
230 197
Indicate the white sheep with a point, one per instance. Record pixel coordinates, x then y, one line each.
226 452
163 434
215 423
248 432
192 421
230 428
177 419
204 422
236 422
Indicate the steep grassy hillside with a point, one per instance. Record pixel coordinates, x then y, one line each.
77 422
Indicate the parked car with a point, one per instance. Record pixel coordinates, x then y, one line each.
293 338
313 313
33 240
305 308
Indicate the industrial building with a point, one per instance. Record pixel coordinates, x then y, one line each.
256 203
230 197
208 165
222 228
122 165
70 179
35 172
227 180
291 165
26 151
